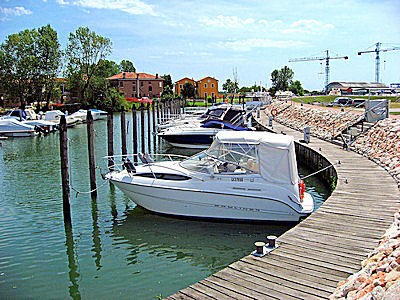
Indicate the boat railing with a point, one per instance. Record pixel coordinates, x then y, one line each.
116 163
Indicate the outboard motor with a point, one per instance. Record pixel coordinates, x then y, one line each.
128 165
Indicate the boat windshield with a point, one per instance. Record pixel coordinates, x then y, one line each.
226 158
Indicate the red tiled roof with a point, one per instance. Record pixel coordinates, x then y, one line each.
185 78
133 76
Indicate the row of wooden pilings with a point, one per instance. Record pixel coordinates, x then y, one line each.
161 111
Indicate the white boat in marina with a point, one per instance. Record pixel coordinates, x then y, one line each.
242 176
199 133
55 115
98 114
14 128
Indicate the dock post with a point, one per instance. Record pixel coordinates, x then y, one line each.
123 133
92 164
134 133
153 113
148 129
110 140
142 128
64 170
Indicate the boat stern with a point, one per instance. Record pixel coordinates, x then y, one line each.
308 204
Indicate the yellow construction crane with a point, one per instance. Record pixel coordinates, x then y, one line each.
377 59
326 58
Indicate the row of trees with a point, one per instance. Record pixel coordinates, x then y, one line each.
282 80
32 60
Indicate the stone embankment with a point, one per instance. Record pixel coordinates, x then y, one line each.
381 143
379 277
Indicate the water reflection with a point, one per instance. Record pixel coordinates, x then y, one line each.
209 245
72 265
96 235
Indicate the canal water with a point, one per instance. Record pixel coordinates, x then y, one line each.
114 248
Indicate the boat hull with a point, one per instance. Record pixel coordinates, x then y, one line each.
205 204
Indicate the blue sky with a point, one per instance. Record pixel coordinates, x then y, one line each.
201 38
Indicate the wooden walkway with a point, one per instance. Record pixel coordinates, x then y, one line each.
323 249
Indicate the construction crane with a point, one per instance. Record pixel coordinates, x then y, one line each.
377 59
327 58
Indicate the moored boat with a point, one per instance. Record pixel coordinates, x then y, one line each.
15 128
242 176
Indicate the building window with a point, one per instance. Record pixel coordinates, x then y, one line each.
149 82
212 95
180 86
134 88
160 84
121 84
205 95
212 85
141 83
205 85
208 80
150 88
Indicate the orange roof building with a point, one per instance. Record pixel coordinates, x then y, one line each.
206 87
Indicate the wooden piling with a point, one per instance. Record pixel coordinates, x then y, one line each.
134 133
64 170
153 113
110 140
123 133
148 129
142 128
92 164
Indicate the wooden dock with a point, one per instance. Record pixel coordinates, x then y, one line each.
323 249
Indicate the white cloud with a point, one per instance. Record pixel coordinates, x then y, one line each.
62 2
14 11
248 44
133 7
308 27
227 21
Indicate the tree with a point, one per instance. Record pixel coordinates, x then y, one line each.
29 63
127 66
167 89
230 86
188 90
17 64
296 88
84 53
49 63
281 79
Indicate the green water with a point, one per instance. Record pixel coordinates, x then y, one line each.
114 249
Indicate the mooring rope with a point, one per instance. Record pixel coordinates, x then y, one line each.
315 173
70 175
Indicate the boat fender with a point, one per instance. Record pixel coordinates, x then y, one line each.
302 189
274 112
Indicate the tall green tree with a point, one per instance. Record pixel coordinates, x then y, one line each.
18 65
29 64
84 52
296 88
127 66
188 90
230 86
282 79
167 88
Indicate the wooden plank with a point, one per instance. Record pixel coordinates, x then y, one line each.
192 292
294 282
267 288
225 287
208 291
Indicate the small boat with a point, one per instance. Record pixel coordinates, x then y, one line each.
14 128
242 176
199 133
55 115
98 114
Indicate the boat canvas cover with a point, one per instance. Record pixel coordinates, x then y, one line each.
10 125
276 153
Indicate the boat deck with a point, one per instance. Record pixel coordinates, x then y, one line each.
323 249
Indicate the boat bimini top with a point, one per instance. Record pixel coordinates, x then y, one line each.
269 154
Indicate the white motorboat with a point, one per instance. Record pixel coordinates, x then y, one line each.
80 114
55 115
242 176
200 133
98 114
14 128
